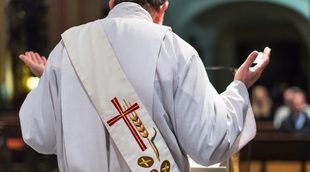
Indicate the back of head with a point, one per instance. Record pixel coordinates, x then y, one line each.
149 5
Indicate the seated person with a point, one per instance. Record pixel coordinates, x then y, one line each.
298 119
284 110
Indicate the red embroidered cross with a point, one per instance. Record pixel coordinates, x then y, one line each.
123 115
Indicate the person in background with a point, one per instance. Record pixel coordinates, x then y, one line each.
261 103
284 110
298 119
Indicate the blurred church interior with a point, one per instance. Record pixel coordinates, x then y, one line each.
223 32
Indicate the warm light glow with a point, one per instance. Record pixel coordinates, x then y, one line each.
15 143
32 82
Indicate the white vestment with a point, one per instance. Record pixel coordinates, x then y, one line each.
58 117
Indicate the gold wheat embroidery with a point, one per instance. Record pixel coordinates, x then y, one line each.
142 130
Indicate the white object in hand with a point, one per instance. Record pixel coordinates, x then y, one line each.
259 58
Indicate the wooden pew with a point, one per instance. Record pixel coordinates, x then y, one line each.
270 144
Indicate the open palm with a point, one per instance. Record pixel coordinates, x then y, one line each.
249 75
34 61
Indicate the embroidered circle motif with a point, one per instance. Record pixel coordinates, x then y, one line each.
165 166
145 162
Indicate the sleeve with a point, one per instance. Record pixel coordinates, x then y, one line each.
38 112
210 126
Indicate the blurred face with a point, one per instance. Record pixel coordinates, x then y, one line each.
260 94
298 102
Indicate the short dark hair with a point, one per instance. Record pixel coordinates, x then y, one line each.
296 89
153 4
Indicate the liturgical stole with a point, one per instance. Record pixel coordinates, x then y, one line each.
118 105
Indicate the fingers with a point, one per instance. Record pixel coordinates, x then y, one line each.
267 51
26 59
248 62
35 62
261 66
33 58
39 58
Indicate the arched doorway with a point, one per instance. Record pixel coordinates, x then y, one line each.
224 33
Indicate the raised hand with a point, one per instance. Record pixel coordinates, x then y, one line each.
249 75
34 61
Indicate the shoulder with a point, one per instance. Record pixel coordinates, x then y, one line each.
72 34
81 27
55 57
282 111
307 110
179 43
181 48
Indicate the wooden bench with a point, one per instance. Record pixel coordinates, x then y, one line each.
270 144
